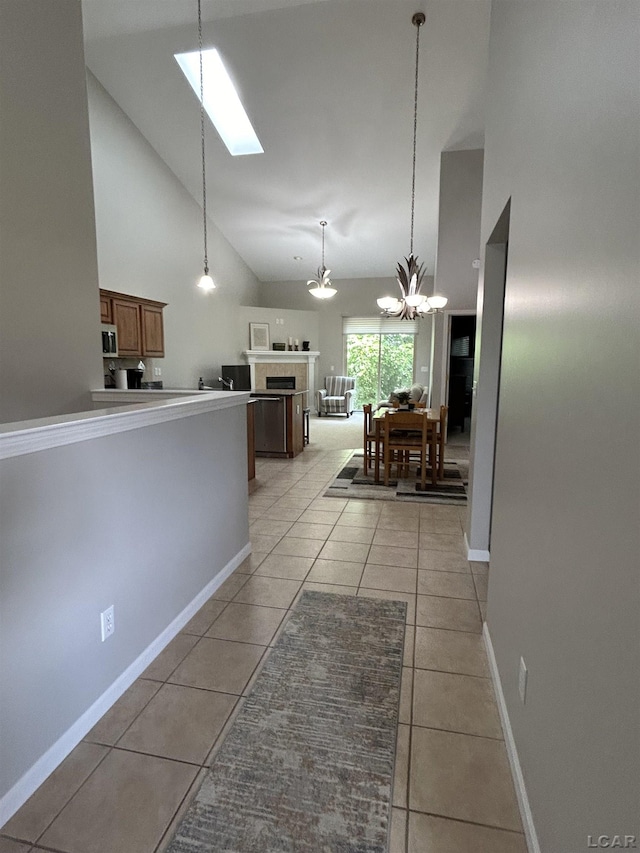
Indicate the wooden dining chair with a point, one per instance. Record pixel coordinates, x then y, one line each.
405 435
369 438
442 435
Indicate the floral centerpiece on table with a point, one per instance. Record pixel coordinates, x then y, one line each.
404 398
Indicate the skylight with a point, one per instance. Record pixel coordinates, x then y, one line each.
221 101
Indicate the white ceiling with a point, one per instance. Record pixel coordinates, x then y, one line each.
328 86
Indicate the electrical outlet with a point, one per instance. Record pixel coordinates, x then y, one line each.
157 371
332 368
522 680
424 369
107 623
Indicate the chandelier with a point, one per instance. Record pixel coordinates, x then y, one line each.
322 287
206 282
412 303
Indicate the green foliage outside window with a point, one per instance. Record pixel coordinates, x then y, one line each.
381 364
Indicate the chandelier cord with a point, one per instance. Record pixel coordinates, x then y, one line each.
323 223
418 24
202 144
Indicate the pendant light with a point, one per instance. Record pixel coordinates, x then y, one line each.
322 287
206 283
412 303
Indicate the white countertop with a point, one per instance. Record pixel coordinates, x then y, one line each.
145 394
22 437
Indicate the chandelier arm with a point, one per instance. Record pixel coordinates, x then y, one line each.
402 280
202 145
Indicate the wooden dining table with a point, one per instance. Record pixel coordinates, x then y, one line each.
433 417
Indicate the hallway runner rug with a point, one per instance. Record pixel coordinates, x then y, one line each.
352 482
307 765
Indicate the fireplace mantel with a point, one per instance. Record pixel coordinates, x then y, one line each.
254 357
294 356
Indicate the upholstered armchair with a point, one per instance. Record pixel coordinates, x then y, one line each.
337 395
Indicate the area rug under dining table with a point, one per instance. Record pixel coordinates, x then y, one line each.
352 482
307 765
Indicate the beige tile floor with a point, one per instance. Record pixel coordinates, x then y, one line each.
124 787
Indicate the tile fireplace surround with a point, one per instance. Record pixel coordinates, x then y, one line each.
300 364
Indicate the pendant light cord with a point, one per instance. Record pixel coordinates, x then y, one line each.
417 21
323 223
202 143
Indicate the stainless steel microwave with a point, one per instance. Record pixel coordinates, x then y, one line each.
109 341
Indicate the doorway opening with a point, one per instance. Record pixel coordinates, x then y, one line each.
462 345
487 379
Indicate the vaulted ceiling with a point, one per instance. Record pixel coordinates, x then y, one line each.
328 86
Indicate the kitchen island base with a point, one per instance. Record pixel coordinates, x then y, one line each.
279 430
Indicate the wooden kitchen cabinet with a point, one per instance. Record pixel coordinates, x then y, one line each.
106 315
139 323
152 330
251 440
126 316
295 433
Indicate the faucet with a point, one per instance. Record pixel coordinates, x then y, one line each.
227 383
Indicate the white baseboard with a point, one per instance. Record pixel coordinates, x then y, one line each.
475 555
516 771
47 763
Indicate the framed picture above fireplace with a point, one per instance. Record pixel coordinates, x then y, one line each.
259 336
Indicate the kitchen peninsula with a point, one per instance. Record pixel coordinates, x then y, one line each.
141 507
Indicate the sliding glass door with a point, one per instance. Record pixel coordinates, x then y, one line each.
381 361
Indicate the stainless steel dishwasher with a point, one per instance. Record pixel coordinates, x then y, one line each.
271 425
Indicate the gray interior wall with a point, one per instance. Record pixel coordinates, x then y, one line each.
150 243
49 314
132 519
459 213
563 142
284 323
355 298
486 385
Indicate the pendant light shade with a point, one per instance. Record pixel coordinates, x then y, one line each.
206 283
412 303
322 287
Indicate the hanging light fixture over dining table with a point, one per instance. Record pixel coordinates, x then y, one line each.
412 303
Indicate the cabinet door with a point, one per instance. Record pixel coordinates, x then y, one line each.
251 441
105 309
297 424
126 316
152 331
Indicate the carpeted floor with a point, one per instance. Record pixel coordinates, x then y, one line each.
308 763
352 482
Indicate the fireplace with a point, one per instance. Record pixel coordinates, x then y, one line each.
281 383
276 365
